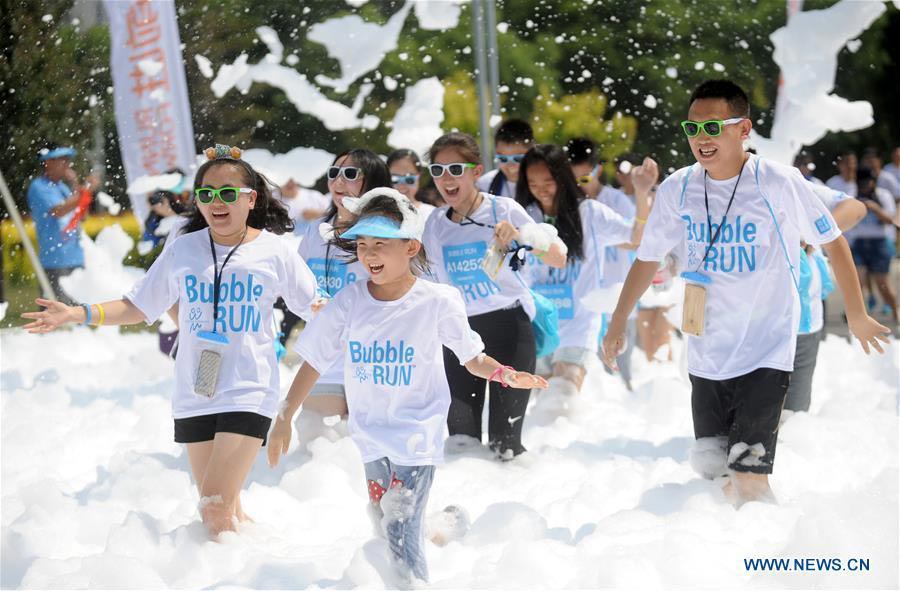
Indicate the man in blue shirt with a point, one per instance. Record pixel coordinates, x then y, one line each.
53 203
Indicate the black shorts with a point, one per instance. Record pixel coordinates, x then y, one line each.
205 427
745 410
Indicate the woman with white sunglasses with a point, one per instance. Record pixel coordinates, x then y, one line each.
352 173
499 305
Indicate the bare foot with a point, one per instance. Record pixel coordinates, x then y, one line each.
243 517
729 491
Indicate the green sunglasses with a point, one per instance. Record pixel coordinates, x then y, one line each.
712 128
226 195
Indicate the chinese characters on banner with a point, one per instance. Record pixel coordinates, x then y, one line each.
153 116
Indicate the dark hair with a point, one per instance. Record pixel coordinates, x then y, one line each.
382 205
49 146
402 154
872 153
461 142
514 131
568 194
629 157
428 193
803 159
582 150
726 90
267 214
157 197
375 173
864 174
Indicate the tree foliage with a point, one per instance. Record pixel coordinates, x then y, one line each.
619 71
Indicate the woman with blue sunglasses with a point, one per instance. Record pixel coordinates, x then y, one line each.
406 170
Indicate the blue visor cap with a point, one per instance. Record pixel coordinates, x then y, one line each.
376 226
57 153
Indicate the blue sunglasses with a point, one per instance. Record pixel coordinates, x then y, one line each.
509 158
408 179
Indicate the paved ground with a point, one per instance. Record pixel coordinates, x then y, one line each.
834 308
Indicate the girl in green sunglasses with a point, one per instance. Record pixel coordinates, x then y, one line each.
223 275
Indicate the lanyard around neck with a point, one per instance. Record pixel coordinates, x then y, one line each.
712 239
217 273
466 220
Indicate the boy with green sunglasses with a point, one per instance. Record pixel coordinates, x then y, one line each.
712 127
737 221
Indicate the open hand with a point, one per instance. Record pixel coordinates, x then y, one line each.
54 315
524 380
869 332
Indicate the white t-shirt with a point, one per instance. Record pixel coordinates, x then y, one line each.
333 274
872 227
752 304
455 252
816 309
893 170
830 198
618 260
393 363
567 287
507 187
306 199
425 209
837 182
176 230
258 273
890 184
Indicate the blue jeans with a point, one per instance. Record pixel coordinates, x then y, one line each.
398 496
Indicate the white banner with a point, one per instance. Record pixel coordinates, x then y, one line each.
152 111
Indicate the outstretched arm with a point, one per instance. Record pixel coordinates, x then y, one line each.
863 326
58 314
489 368
848 213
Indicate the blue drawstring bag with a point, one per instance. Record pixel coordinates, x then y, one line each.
545 325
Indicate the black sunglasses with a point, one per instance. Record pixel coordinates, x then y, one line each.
351 173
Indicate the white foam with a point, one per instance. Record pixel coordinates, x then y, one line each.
150 183
304 165
806 50
276 50
439 16
603 491
418 121
205 65
150 67
359 46
103 276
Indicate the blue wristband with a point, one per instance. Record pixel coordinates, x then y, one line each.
87 314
